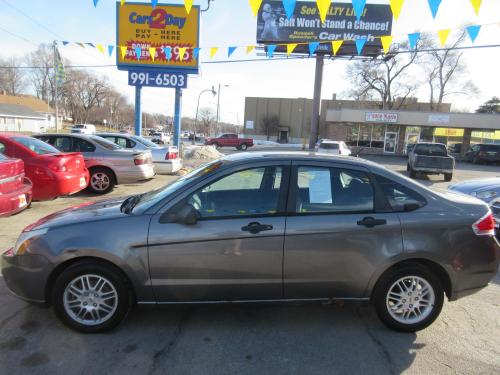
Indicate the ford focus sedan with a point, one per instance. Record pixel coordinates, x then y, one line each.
261 227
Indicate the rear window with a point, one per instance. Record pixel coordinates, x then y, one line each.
494 148
431 150
37 146
329 146
145 142
400 197
105 143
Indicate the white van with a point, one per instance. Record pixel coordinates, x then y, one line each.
83 129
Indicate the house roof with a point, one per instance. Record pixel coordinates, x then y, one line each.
29 101
20 111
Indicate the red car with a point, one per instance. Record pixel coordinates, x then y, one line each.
230 140
51 172
15 189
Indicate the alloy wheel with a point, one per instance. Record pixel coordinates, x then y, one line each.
100 181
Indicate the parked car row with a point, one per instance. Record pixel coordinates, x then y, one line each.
55 165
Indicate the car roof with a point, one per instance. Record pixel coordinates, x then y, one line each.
430 143
114 134
328 141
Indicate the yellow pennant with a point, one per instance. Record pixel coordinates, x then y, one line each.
100 47
122 1
255 4
336 44
443 36
213 51
182 52
386 43
123 51
290 48
323 7
396 6
152 53
476 4
250 49
188 4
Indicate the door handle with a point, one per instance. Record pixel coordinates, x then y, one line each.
255 228
371 222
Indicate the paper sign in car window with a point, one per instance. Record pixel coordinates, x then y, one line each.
320 187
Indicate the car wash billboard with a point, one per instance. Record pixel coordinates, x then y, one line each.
305 26
161 37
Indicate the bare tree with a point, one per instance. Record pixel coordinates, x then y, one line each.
12 79
41 76
270 125
207 118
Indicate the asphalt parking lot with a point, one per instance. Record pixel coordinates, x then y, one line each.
250 339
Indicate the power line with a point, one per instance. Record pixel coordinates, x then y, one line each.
19 36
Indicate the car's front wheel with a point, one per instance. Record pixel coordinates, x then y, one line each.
91 297
408 299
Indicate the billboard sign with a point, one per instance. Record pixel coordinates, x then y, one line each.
305 26
166 28
155 78
383 117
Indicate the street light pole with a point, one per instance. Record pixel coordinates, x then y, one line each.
212 90
218 106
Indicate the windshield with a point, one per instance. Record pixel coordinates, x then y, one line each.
431 150
37 146
79 127
105 143
329 146
145 142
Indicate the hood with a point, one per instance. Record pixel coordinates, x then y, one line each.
468 187
85 212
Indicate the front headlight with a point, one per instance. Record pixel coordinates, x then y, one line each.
487 195
24 240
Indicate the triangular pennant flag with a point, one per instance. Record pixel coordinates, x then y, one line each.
90 45
250 49
323 7
358 7
110 50
95 3
396 6
473 32
123 51
154 3
360 44
65 43
152 53
313 47
289 6
196 53
81 44
443 36
413 39
336 44
168 52
290 48
188 4
386 43
100 47
122 2
138 52
270 50
476 4
182 53
255 4
213 52
230 51
434 5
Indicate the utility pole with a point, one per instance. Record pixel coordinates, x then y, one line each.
318 80
54 50
218 111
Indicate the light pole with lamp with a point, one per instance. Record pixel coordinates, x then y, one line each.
218 107
212 90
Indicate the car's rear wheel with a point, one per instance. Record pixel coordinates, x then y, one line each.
243 147
408 299
102 180
91 297
448 177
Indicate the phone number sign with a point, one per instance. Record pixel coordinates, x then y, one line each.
154 78
152 38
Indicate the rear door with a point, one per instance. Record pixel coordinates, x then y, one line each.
340 229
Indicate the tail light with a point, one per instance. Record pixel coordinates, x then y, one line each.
485 226
143 159
171 155
58 168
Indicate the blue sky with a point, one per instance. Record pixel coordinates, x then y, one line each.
230 22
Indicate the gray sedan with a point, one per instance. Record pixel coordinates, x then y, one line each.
262 227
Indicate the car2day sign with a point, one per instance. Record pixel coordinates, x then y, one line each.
154 38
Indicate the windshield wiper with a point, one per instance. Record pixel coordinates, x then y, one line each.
129 203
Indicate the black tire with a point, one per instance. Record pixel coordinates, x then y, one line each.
113 276
413 174
217 146
408 167
475 160
448 177
386 282
104 174
243 147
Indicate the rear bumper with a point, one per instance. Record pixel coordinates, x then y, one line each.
168 166
60 184
13 202
432 170
136 173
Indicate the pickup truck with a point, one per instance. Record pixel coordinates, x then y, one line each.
430 158
230 140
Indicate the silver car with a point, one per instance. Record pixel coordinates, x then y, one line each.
261 227
165 158
108 163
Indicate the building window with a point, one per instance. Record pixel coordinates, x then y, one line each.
352 135
365 135
378 135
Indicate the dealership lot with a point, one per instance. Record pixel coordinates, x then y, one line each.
337 338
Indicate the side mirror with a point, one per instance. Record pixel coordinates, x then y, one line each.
187 215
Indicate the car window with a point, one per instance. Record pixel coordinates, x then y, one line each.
146 142
2 148
329 146
37 146
62 144
122 142
105 143
400 197
81 145
249 192
431 150
335 190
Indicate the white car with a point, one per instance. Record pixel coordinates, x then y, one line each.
83 129
333 147
161 138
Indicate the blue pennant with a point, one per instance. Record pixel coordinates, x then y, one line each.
95 3
154 3
230 51
473 32
168 52
196 52
138 52
110 50
359 7
413 39
65 42
434 5
360 44
270 50
313 47
289 6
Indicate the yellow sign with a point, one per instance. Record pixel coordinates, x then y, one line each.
166 29
449 132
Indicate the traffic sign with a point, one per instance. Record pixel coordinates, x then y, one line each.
153 78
